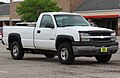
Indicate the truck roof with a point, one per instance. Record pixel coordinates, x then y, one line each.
60 13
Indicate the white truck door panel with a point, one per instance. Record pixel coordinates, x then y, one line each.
44 39
44 36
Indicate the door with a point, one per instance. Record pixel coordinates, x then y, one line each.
44 36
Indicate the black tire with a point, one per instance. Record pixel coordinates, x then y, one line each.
65 53
17 52
49 55
103 58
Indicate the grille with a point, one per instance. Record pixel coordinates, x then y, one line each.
100 40
100 33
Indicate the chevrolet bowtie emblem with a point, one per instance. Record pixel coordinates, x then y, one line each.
101 36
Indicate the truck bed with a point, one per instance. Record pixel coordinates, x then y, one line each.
26 39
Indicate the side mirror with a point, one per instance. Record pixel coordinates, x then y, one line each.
92 24
49 25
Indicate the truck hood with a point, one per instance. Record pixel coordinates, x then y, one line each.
87 28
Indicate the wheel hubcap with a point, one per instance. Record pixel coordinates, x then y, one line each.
64 54
15 50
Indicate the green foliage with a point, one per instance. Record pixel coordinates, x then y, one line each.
2 3
29 10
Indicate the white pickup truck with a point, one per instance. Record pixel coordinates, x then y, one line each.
67 35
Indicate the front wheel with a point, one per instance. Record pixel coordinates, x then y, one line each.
17 52
103 58
65 53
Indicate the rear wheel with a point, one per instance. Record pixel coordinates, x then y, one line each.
49 55
65 53
17 52
103 58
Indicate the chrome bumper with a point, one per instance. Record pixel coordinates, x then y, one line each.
93 50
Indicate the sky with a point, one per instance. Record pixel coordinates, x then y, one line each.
7 1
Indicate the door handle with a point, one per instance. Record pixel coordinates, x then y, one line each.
38 31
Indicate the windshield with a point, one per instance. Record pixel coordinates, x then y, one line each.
70 20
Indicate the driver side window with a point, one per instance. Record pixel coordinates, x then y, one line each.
46 19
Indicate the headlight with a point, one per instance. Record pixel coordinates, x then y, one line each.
84 34
113 39
83 37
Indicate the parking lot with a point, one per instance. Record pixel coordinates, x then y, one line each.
37 66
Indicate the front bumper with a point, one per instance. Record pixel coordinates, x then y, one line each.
93 49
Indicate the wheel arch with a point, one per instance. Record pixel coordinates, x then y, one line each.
63 38
14 37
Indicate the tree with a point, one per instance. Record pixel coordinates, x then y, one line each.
2 3
29 10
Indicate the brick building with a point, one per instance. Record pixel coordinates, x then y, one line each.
66 5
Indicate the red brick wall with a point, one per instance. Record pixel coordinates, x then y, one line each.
118 27
64 4
68 5
13 13
74 4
